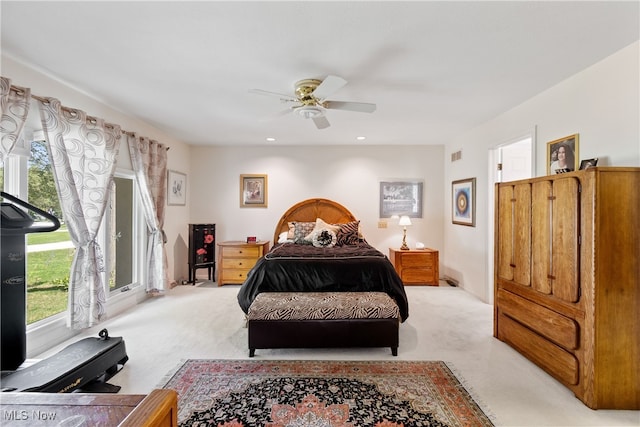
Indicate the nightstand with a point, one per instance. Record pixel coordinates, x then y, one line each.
236 258
416 266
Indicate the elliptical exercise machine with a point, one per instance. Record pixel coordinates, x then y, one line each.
82 366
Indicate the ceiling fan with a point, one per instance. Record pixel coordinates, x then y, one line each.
311 100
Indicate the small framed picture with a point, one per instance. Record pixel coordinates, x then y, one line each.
253 191
176 188
401 198
562 155
588 163
463 195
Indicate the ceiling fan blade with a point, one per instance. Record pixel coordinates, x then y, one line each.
278 114
321 122
282 96
329 86
360 107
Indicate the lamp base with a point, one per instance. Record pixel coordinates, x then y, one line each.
404 246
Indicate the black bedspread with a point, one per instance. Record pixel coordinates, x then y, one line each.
304 268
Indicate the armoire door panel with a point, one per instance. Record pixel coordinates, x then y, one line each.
566 225
505 233
522 234
541 194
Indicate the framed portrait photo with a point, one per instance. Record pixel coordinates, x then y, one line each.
176 188
463 195
562 155
401 198
253 191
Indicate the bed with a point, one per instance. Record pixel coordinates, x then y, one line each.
307 259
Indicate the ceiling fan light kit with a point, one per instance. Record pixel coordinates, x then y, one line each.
309 111
312 96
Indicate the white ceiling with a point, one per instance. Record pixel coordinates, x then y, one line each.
434 69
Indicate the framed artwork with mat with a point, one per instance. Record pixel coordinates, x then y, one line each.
463 197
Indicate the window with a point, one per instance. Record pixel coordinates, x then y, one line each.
27 174
49 255
122 224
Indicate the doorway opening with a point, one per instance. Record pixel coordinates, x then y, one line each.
508 161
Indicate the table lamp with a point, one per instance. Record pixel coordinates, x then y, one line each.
404 221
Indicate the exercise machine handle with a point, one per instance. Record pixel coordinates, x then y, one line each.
26 226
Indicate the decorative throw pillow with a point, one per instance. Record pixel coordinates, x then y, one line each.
292 230
301 230
324 238
349 234
321 225
282 237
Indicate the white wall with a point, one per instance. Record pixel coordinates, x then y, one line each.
349 175
601 104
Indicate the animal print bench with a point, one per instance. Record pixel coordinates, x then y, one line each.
323 319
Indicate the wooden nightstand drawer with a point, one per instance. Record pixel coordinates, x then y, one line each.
241 251
417 275
417 260
236 259
238 263
416 266
233 276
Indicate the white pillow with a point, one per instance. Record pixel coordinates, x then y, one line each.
283 237
321 225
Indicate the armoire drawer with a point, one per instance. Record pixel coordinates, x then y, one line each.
554 326
558 362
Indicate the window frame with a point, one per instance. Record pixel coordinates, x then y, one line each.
138 227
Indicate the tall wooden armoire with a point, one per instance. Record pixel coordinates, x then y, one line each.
567 279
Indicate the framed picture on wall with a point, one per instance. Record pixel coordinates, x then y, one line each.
562 155
401 198
253 191
176 188
463 196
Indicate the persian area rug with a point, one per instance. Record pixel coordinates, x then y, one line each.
235 393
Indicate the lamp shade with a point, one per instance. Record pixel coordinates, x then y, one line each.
404 220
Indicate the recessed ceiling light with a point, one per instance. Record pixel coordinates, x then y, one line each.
361 138
270 139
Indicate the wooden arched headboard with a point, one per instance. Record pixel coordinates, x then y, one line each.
310 209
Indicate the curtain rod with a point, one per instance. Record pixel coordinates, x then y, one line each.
21 91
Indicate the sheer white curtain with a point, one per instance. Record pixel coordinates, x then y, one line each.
15 107
83 152
149 159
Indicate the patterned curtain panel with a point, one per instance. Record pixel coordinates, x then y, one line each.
149 159
15 107
83 154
